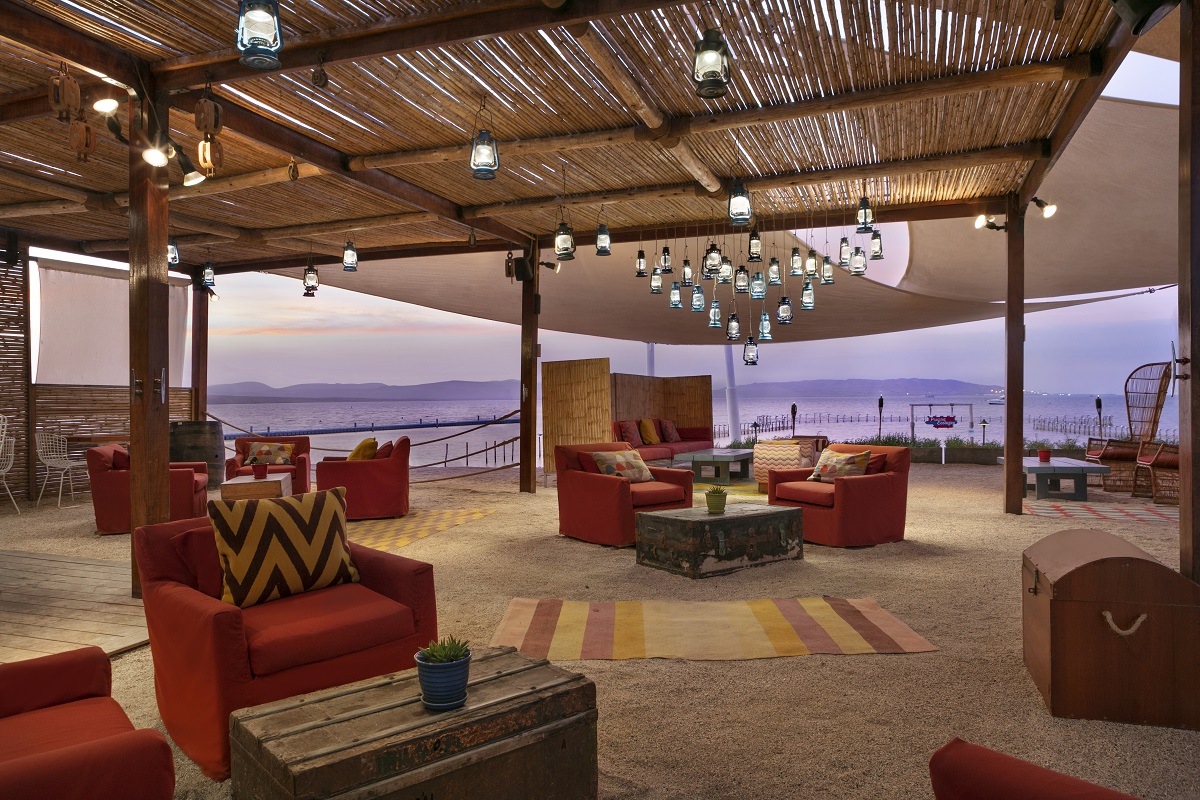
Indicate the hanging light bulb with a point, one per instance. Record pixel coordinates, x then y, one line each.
312 281
739 205
741 280
733 327
349 258
603 240
656 281
876 246
844 252
827 271
664 261
725 271
808 299
811 263
697 298
710 65
774 277
172 252
797 263
755 246
675 296
714 314
758 287
764 327
640 264
750 352
259 36
564 242
865 216
783 314
209 276
687 274
712 256
858 263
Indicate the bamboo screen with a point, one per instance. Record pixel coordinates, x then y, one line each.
637 396
14 367
688 401
1145 392
576 408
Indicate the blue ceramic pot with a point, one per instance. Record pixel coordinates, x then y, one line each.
443 684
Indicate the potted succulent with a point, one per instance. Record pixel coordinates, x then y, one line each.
442 669
716 497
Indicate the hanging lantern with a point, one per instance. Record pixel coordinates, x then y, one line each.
656 281
741 280
81 137
603 240
739 205
710 65
172 252
865 216
714 314
210 154
811 263
698 298
485 156
564 242
311 281
808 299
876 246
755 246
209 276
774 277
844 252
712 256
797 263
63 94
259 36
725 271
664 261
783 314
640 264
764 327
349 258
733 327
688 275
750 352
758 287
858 263
827 271
675 295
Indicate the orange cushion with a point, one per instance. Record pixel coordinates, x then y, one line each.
317 626
385 450
818 494
876 463
653 493
588 464
120 458
649 432
52 728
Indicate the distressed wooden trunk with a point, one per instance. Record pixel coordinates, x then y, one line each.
528 730
1109 632
697 544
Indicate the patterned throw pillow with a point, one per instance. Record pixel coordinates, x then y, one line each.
670 432
649 435
833 465
628 430
363 451
625 463
274 548
269 453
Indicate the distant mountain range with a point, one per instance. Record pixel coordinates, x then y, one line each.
255 392
858 387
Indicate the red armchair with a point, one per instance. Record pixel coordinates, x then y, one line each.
964 771
63 736
108 473
599 508
211 657
299 468
850 512
375 488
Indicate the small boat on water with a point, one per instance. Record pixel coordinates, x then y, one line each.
995 401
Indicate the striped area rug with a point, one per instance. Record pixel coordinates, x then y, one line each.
1124 513
571 630
392 534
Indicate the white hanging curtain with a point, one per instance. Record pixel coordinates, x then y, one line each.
83 333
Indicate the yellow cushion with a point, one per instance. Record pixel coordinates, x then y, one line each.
833 465
363 451
274 548
649 435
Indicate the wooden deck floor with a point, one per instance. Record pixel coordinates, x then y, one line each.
51 603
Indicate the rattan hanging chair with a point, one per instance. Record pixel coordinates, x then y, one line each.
1145 393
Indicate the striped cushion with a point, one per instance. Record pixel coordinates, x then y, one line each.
275 548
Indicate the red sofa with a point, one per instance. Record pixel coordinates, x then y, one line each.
375 488
850 512
62 735
211 657
693 439
299 468
964 771
599 508
110 488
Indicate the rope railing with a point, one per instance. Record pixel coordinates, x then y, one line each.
491 447
469 430
467 475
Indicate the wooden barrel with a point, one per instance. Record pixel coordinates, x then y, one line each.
200 441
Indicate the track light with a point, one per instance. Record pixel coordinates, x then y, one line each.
191 175
114 127
984 221
159 153
106 105
1048 209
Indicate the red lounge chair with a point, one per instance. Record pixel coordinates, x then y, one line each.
298 469
375 488
110 488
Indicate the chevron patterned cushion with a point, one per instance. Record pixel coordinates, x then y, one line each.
275 548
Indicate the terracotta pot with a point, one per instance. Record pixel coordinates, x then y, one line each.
260 471
1044 455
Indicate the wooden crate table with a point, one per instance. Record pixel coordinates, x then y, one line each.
248 487
696 544
528 730
719 460
1048 474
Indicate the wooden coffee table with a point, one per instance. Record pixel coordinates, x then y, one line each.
248 487
719 459
696 544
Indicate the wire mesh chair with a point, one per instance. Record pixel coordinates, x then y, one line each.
3 426
8 447
52 452
1145 393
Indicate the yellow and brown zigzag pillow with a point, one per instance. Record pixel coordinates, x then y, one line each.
274 548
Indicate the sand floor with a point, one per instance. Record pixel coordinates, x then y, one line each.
806 727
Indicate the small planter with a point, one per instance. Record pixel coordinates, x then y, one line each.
260 471
443 684
716 502
1044 456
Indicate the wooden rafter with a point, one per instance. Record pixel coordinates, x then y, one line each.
20 25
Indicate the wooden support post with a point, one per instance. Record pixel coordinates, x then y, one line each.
199 352
149 331
531 302
1189 298
1014 352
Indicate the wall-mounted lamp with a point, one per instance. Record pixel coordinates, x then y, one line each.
984 221
1048 209
191 175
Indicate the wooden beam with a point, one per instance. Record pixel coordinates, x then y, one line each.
200 303
347 225
43 186
41 208
1014 360
29 29
233 183
1189 291
467 22
24 106
531 302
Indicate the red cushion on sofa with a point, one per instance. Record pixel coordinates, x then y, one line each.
964 771
322 625
669 433
52 728
120 458
818 494
653 493
197 549
384 450
876 463
627 431
588 464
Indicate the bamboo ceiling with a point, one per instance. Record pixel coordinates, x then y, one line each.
932 110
